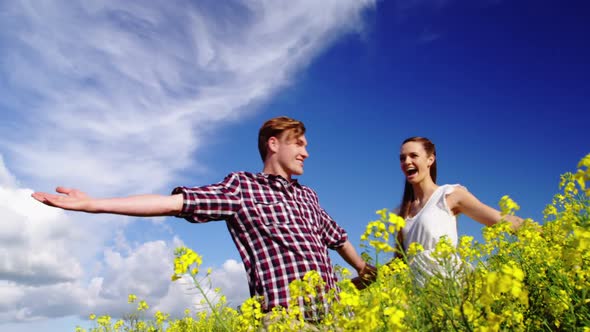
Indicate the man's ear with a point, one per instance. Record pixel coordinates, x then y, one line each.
273 144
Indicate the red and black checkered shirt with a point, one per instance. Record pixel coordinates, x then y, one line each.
278 227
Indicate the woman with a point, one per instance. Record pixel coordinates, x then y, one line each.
430 210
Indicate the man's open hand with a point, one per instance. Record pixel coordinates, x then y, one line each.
68 199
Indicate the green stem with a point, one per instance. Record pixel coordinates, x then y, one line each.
213 310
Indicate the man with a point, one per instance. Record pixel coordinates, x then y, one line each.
276 223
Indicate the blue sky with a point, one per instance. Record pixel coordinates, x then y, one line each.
120 99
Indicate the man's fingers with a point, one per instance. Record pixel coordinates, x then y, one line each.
359 283
63 190
47 200
44 198
369 272
38 196
59 201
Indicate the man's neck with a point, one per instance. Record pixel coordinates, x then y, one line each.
274 170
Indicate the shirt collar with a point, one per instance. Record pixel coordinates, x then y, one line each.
281 179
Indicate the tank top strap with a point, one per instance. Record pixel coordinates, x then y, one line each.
441 195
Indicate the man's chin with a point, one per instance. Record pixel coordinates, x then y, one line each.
298 172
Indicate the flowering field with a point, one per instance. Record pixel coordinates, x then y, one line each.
537 278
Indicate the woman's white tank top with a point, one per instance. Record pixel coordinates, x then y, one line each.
432 222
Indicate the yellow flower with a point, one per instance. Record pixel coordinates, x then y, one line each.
350 298
582 238
104 320
469 311
251 312
185 258
585 162
142 306
382 213
117 326
415 248
395 316
466 249
131 298
397 220
508 206
161 317
550 210
443 249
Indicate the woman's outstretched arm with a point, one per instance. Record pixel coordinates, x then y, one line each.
462 201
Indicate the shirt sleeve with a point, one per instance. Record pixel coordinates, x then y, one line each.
333 235
218 201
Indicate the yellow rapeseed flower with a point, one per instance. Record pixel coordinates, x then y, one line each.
142 306
466 249
161 317
415 248
104 320
117 326
444 248
395 318
186 261
508 206
398 221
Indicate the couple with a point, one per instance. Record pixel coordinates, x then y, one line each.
277 224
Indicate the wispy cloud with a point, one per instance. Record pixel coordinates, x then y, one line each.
127 92
116 97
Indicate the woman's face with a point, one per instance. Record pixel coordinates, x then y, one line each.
415 162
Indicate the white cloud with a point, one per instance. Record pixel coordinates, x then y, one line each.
42 277
127 92
230 278
6 179
146 272
41 257
46 266
35 241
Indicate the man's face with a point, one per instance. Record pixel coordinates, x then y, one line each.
291 152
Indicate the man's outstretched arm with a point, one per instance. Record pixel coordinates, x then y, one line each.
139 205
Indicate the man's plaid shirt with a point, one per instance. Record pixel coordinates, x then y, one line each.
278 227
